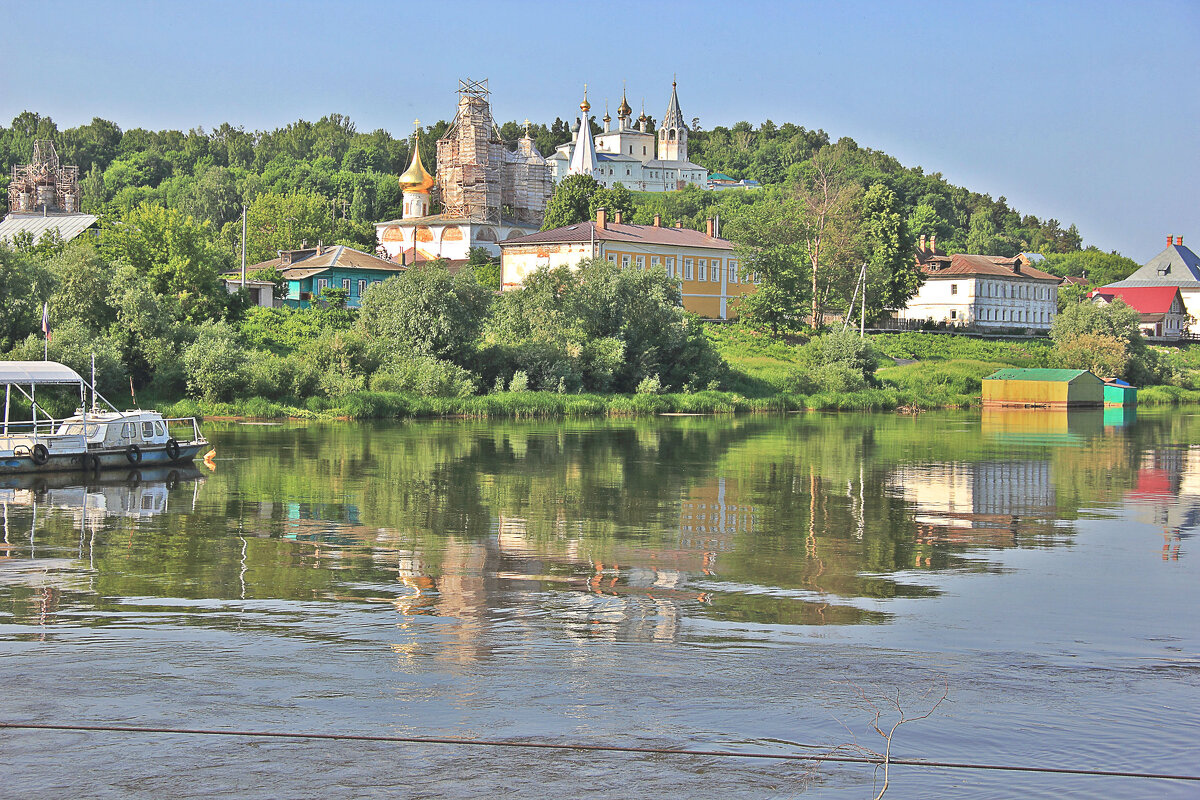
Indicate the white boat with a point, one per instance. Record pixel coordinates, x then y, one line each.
91 439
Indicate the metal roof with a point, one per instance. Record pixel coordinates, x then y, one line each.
622 232
1175 266
37 372
69 225
1052 375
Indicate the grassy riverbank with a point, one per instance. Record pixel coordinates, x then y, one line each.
916 371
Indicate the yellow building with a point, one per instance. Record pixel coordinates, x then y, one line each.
706 267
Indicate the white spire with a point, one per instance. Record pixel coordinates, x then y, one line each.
583 156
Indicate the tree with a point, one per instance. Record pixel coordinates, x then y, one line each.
175 252
892 275
615 200
282 222
1098 267
773 246
982 238
1105 339
428 310
487 269
24 286
571 202
827 217
82 279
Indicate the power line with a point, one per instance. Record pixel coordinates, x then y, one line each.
606 748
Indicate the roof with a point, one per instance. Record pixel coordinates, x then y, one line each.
667 163
448 219
37 372
1051 375
620 232
720 176
1035 258
962 264
306 263
1174 266
1145 299
674 117
1076 280
69 225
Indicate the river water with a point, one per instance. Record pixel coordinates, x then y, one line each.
752 584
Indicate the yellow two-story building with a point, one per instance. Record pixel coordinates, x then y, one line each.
711 279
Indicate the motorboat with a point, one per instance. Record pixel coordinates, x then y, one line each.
93 438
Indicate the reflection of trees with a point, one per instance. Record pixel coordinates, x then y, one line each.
631 525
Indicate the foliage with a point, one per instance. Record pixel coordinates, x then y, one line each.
425 376
1098 267
1106 356
428 310
840 361
571 202
1107 340
23 285
215 363
486 268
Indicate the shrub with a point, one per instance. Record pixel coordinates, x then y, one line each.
426 376
650 385
215 363
519 382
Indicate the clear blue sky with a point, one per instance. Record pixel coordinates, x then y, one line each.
1087 112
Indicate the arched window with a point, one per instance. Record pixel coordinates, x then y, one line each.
671 135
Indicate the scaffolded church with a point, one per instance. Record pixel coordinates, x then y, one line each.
487 193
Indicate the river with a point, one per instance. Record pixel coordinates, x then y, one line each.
748 584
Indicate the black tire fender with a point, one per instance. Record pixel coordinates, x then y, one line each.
172 449
39 454
133 454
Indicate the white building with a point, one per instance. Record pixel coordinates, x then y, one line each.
630 154
982 292
1176 265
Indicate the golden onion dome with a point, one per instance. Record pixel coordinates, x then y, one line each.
415 178
624 110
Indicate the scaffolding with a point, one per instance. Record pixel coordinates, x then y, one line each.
470 158
44 184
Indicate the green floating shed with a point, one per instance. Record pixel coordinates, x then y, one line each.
1119 393
1043 388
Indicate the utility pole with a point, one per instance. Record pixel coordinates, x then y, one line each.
243 245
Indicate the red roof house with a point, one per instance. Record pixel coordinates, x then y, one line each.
1163 313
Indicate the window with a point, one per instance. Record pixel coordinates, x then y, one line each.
687 269
733 271
322 285
654 261
346 285
362 288
625 261
714 270
159 428
671 266
147 430
612 258
953 290
640 261
953 314
630 149
702 270
757 278
643 150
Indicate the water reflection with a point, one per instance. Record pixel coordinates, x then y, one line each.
607 530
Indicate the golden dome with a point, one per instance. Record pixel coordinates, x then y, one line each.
624 110
415 178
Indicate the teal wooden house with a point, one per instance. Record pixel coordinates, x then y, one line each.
314 270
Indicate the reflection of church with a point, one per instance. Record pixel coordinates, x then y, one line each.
487 192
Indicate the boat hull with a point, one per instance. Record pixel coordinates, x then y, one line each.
100 460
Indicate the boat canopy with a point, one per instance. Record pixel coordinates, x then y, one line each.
37 372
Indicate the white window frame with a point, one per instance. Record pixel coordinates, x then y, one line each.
714 270
625 261
362 287
640 261
702 269
687 269
322 284
654 260
733 271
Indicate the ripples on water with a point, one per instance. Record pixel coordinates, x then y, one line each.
733 583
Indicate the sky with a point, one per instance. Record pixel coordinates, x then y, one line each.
1085 112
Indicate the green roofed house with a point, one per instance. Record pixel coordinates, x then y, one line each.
1043 388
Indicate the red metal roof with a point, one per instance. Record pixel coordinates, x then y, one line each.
1145 299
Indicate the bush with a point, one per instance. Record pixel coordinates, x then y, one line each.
215 363
650 385
519 382
426 376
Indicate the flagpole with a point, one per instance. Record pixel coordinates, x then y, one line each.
46 331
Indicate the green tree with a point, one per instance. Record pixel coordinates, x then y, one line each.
571 202
24 286
772 245
428 310
892 274
282 222
487 268
175 252
1098 267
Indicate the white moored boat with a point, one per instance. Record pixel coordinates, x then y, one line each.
90 439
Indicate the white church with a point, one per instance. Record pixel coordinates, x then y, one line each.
631 155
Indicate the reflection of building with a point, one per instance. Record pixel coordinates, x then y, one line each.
977 502
488 193
1167 495
711 516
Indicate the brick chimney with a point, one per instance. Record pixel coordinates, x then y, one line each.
285 257
1170 240
602 219
618 217
320 247
933 244
921 246
678 223
710 230
658 220
1179 241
